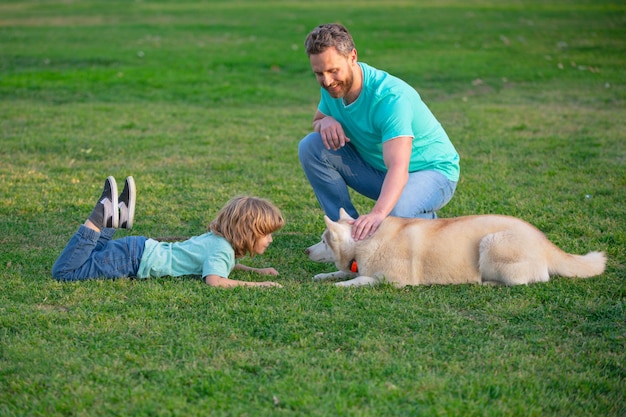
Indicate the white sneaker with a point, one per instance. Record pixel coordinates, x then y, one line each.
105 214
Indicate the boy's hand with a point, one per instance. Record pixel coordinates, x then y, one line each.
264 271
268 284
267 271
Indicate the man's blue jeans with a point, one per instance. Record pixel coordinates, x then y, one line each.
332 172
90 254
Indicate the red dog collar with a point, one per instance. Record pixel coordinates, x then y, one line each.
353 266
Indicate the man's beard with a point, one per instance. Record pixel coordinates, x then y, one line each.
344 87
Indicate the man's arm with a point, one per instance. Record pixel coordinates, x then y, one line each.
317 119
331 131
397 155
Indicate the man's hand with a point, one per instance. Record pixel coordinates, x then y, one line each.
366 225
332 133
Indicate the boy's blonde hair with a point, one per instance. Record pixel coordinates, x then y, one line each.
244 220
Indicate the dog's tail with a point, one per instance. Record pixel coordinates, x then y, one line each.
576 266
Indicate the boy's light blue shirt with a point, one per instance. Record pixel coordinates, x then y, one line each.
387 108
203 255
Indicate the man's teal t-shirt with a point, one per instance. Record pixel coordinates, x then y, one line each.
203 255
387 108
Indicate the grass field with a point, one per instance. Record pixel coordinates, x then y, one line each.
201 101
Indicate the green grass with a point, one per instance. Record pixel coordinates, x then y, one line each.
201 101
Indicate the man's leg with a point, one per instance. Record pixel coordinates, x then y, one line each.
330 173
424 193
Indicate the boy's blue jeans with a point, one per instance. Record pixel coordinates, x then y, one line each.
332 172
90 254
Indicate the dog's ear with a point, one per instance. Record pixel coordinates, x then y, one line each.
343 215
328 221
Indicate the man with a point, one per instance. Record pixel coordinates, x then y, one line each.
374 134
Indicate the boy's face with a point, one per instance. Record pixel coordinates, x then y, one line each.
262 244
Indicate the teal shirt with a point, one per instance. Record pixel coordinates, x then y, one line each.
203 255
386 109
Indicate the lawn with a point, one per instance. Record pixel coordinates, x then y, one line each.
201 101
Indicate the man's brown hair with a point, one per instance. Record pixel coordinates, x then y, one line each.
330 35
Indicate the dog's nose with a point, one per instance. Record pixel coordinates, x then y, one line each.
306 251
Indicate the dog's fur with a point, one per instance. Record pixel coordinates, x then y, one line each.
484 249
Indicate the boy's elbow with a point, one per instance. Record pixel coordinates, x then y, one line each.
213 280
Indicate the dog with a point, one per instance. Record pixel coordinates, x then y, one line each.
482 249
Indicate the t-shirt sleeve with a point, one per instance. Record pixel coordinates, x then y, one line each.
221 262
394 116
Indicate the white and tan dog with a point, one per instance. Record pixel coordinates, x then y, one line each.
484 249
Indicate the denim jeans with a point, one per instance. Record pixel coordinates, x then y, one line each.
90 254
332 172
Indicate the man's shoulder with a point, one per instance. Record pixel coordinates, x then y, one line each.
384 88
381 80
371 73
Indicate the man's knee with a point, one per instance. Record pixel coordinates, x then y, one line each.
308 145
421 199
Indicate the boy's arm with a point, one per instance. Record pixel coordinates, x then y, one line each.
264 271
221 282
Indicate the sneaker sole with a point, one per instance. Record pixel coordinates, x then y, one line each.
115 217
132 195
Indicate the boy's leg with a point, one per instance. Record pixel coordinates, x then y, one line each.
330 173
106 213
76 253
105 236
88 238
114 259
119 258
126 212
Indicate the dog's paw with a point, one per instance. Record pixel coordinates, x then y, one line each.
359 281
333 275
322 277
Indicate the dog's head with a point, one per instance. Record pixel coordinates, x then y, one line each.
337 244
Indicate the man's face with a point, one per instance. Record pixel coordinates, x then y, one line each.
334 72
